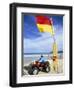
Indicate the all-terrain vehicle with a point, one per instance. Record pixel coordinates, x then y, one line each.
37 66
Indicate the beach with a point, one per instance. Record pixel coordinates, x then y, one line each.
28 59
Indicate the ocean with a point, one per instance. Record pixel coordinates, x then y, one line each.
28 58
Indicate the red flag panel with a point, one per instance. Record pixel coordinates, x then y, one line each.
43 20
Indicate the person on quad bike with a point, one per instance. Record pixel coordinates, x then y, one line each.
42 59
40 65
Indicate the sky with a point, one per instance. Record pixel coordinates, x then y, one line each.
38 42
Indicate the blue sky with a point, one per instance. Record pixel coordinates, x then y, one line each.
37 42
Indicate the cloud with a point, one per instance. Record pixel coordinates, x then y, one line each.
42 44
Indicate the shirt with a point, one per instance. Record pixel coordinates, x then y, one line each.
42 59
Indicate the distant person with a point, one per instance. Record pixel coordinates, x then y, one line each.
42 59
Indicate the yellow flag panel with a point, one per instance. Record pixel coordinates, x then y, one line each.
45 28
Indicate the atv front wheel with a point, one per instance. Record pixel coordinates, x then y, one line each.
35 71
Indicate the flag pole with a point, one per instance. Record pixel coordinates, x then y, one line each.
55 51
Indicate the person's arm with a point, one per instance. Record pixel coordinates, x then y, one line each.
39 59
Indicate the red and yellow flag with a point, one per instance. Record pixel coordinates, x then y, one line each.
44 24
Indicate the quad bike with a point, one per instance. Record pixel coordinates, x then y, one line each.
37 66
